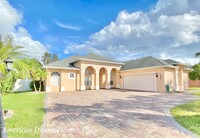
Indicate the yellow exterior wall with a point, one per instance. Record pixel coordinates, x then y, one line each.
169 78
101 78
97 66
177 79
66 84
159 80
49 87
185 79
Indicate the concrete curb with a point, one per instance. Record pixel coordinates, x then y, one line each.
176 125
43 135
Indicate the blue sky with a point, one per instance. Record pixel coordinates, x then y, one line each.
82 18
119 29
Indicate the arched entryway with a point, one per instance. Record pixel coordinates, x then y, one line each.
102 78
90 78
113 78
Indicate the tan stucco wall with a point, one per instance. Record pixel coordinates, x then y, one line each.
66 84
159 80
49 87
177 79
169 78
101 78
185 79
97 66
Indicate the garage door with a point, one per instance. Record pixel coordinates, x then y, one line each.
144 82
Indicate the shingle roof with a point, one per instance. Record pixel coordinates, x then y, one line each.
132 64
172 62
68 62
65 63
93 56
144 62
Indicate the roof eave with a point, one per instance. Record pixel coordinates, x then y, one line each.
85 59
150 67
49 67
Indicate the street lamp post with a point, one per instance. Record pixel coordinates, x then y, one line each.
3 133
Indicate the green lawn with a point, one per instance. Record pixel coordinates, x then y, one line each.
197 93
194 88
28 115
188 115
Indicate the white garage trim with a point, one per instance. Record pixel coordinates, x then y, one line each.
139 79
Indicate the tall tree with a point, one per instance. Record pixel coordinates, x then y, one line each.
195 73
197 54
54 58
48 58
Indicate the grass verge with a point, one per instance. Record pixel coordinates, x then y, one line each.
28 108
188 115
194 88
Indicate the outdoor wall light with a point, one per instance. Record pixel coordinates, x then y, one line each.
156 75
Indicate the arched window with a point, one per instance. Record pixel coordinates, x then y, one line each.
72 75
55 78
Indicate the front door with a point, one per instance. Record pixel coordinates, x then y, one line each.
88 82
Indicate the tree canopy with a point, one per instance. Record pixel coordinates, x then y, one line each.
195 74
49 57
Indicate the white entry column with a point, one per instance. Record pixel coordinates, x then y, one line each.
108 80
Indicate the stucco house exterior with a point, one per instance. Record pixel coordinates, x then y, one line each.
94 72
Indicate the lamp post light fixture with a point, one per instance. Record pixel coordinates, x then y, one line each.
9 63
3 133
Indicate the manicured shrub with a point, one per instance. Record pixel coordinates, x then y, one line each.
7 83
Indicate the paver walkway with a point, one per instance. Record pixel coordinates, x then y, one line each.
111 114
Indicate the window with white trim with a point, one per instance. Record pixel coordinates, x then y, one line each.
55 79
71 75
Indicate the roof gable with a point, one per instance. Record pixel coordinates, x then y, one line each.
172 62
92 56
144 63
65 63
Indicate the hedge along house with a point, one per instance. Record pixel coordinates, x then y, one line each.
94 72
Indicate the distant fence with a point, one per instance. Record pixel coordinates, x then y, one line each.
194 83
22 85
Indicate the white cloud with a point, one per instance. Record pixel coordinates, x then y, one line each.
34 49
10 17
10 24
171 28
70 27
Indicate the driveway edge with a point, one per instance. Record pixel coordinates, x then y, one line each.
170 118
43 134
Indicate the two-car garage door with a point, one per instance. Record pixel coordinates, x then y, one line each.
144 82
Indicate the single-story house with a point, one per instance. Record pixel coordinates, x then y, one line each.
94 72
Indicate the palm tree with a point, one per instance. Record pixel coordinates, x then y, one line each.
41 74
8 49
35 71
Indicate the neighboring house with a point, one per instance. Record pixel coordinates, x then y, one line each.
96 72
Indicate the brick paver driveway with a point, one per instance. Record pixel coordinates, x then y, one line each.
111 114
